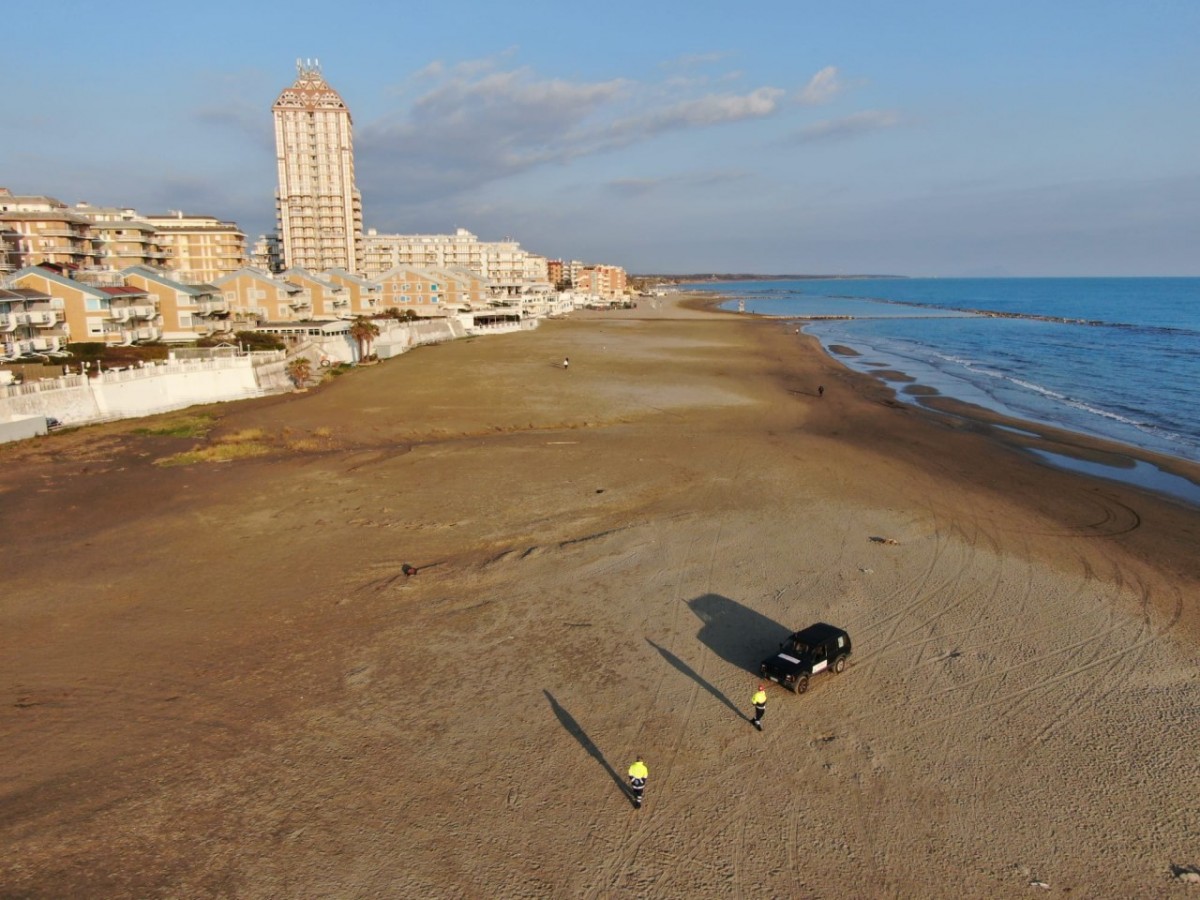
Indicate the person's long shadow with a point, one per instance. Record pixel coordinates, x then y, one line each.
736 633
691 673
576 731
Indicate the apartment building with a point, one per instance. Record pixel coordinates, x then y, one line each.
420 291
330 299
254 296
364 294
121 237
199 249
41 229
604 281
31 323
186 311
108 314
504 264
267 254
318 207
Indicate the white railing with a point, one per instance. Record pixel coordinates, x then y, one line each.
42 385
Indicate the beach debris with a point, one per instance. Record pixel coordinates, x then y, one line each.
889 541
409 570
866 571
1187 874
1040 884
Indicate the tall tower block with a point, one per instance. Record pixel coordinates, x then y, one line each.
318 209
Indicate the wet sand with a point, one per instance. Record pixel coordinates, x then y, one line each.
221 682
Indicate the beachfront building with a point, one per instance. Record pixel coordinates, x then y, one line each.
267 254
418 291
603 281
330 299
43 229
121 238
199 249
31 324
363 293
186 311
255 296
318 208
507 267
107 314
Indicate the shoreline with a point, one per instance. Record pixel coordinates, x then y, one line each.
1169 477
413 647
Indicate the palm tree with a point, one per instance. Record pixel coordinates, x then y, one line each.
299 369
363 330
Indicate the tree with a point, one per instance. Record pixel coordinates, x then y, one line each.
363 330
299 369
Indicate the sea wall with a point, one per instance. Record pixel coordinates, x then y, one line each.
79 400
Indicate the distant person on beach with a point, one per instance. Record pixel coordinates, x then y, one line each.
566 362
821 390
760 705
638 773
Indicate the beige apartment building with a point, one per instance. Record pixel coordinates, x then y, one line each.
42 229
121 237
364 293
199 249
419 291
31 323
330 299
108 314
186 311
604 281
254 296
318 207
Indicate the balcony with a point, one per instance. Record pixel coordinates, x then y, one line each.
212 307
128 313
45 344
40 318
8 321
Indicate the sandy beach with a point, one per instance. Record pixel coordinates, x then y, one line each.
220 682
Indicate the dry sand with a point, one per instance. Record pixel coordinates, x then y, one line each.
218 681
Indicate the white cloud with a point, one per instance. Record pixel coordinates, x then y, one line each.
822 87
849 126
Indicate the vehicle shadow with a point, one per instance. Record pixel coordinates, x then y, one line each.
691 673
576 731
736 633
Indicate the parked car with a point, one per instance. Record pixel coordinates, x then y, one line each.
816 649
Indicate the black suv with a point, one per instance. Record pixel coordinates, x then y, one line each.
818 648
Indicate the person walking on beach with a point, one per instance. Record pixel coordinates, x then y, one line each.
566 362
820 390
638 773
760 705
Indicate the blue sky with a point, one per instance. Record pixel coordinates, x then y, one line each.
916 138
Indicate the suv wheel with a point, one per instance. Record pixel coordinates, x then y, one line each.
801 684
839 665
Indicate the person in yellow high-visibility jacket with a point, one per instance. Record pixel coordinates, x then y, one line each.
638 773
760 705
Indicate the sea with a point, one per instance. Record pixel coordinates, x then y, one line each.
1113 358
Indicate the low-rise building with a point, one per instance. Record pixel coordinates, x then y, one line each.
254 296
330 299
108 314
187 311
30 324
365 295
